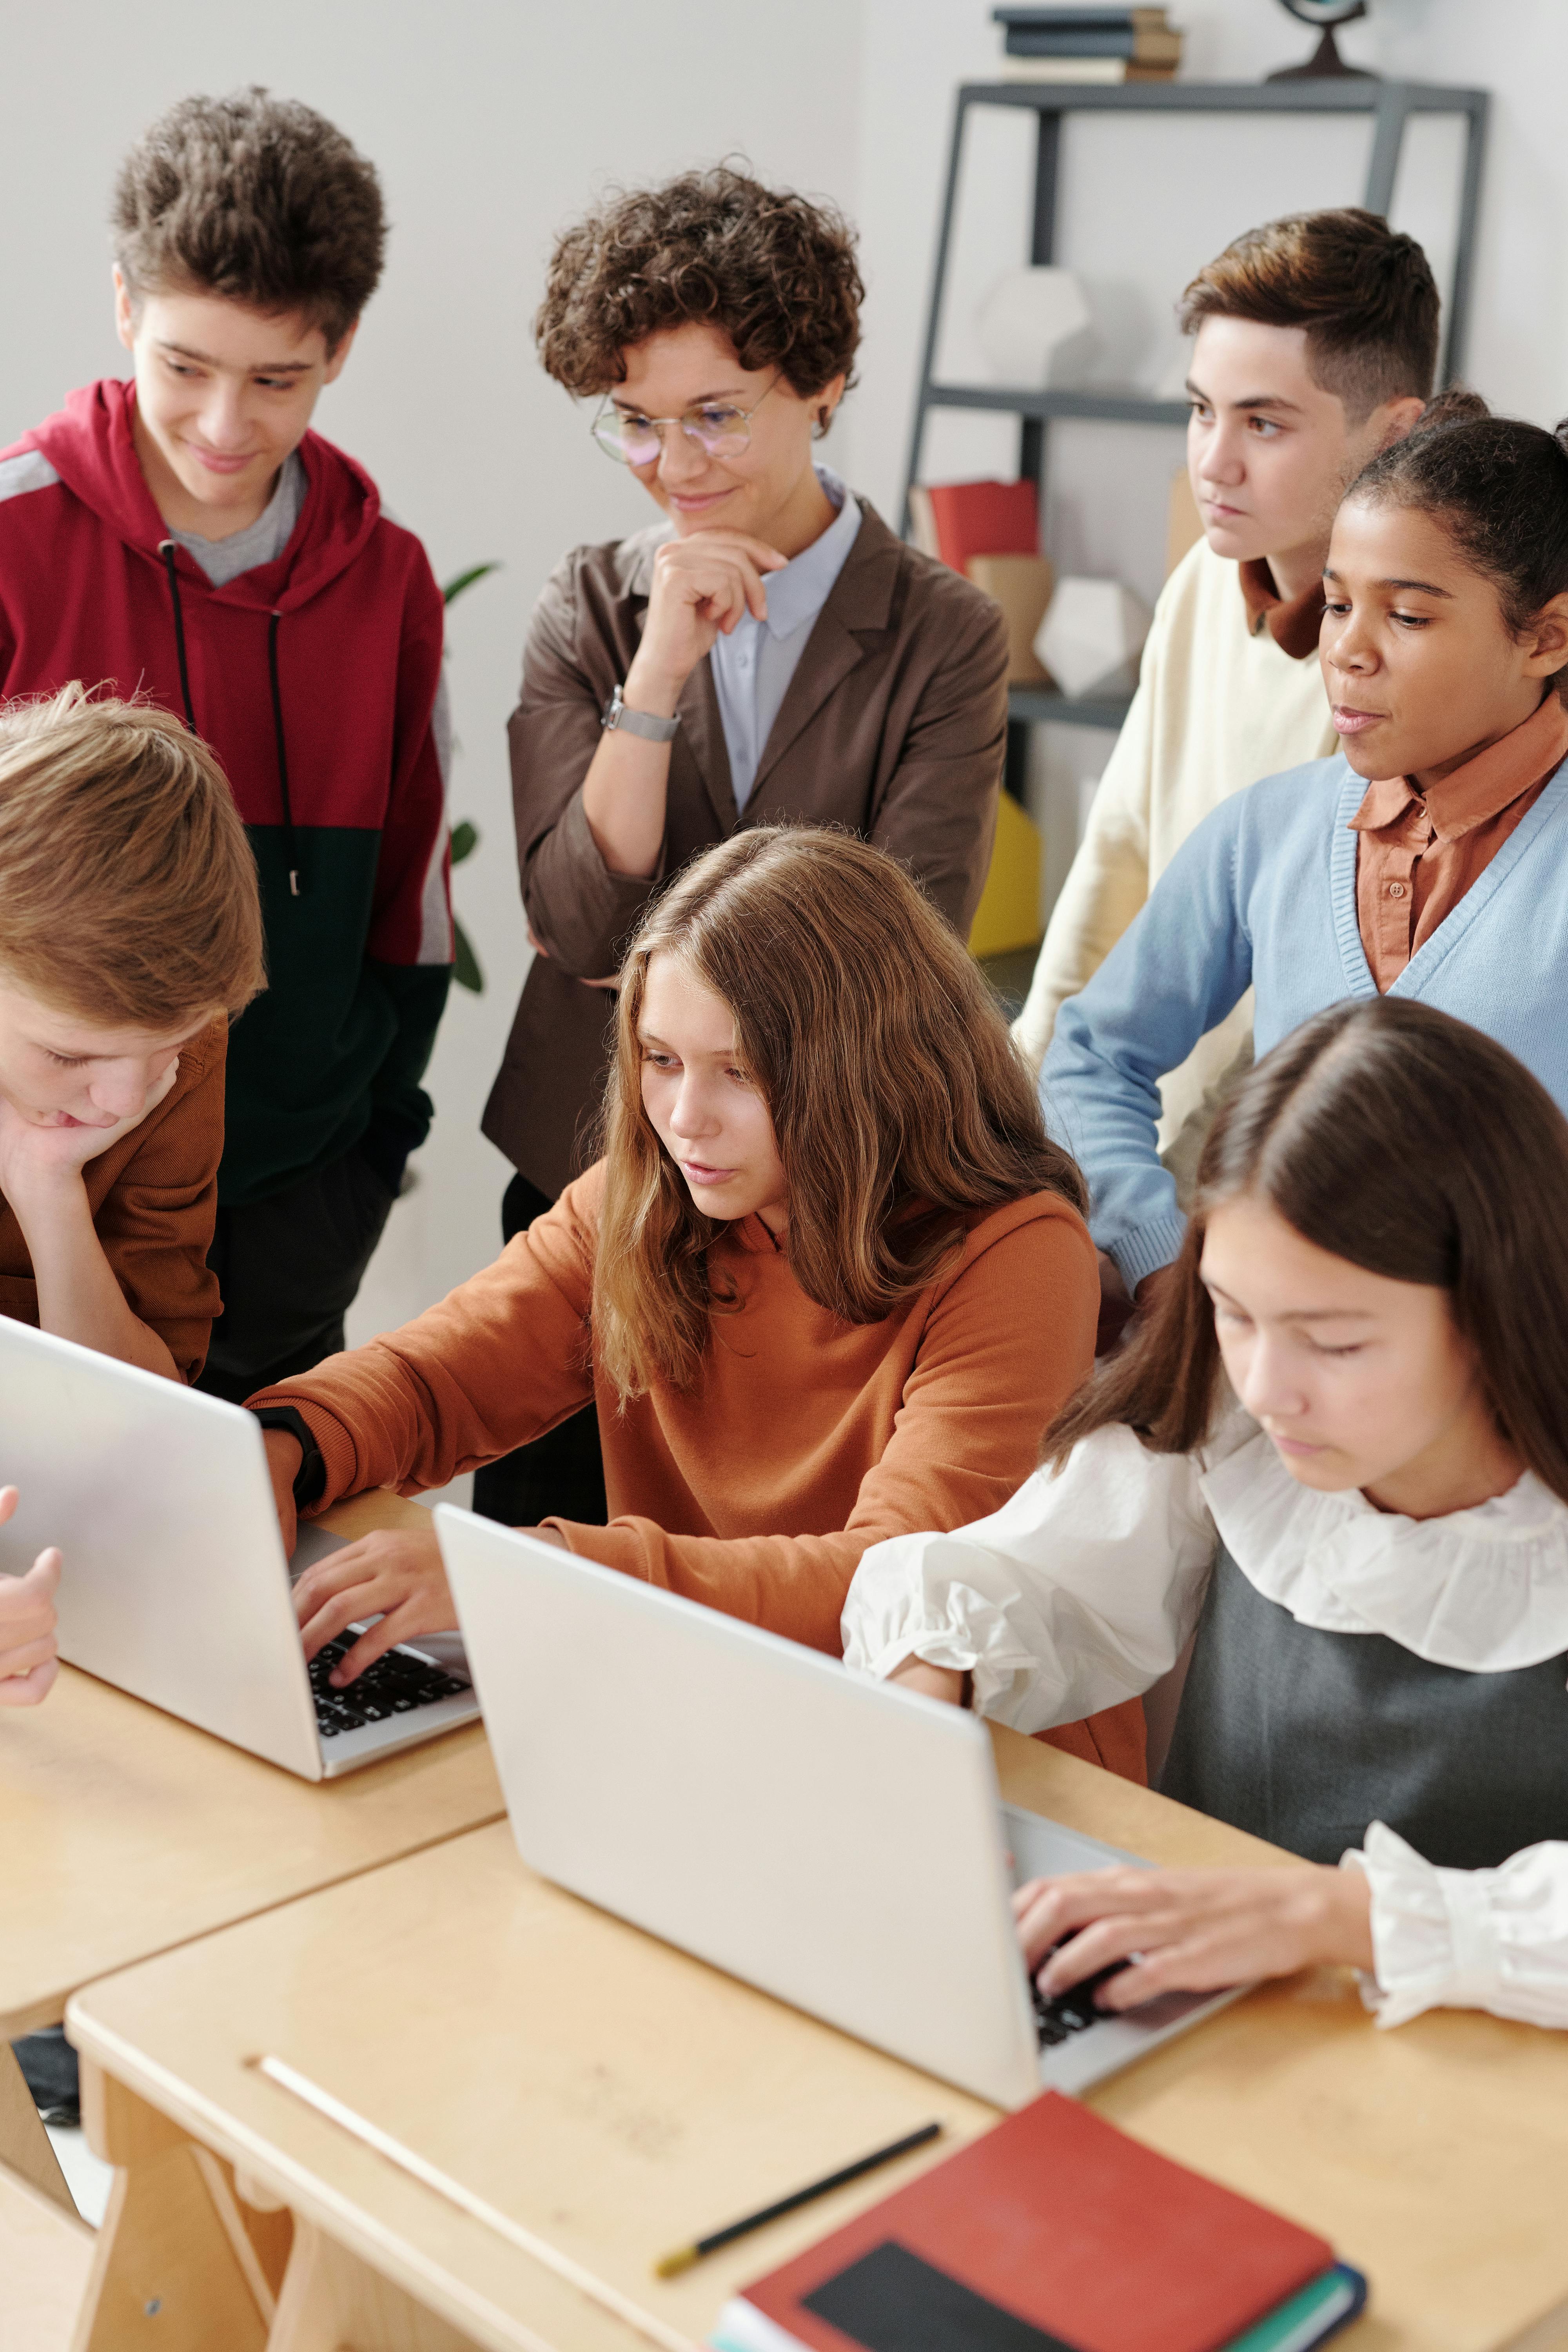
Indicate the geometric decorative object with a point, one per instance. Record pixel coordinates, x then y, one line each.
1022 585
1008 915
1092 635
1035 328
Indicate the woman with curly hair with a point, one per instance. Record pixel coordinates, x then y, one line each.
766 651
829 1283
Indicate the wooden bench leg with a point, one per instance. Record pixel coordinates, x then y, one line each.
182 2264
45 2248
24 2142
333 2302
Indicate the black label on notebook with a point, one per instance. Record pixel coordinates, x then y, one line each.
890 2301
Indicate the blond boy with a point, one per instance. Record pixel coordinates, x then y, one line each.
130 932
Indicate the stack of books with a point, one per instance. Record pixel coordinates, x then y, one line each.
1095 45
991 532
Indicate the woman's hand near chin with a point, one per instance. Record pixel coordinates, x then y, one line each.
1191 1930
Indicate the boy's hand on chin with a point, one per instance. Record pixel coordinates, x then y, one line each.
1192 1930
35 1158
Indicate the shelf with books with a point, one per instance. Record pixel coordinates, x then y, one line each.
1110 407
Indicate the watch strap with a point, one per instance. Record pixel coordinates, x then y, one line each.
638 722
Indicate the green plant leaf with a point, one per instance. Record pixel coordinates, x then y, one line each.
468 973
465 840
455 587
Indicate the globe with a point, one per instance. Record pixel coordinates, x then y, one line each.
1325 63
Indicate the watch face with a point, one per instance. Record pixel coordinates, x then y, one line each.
1325 12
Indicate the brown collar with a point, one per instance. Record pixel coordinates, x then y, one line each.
1294 626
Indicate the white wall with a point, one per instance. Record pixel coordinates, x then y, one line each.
494 121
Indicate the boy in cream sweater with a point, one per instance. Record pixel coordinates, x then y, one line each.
1316 346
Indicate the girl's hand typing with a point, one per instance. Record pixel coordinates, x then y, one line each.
1192 1930
28 1658
396 1575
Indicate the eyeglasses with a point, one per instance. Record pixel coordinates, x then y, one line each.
717 430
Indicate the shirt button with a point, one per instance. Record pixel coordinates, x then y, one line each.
1397 889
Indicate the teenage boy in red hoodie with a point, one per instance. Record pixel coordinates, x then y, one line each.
185 536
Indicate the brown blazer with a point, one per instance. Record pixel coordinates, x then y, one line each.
153 1197
895 724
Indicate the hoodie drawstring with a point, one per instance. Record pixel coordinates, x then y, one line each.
290 843
166 550
290 848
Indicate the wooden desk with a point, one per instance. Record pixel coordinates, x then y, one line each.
124 1832
615 2097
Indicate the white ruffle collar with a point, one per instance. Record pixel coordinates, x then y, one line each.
1484 1589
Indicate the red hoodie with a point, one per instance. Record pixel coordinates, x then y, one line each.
314 679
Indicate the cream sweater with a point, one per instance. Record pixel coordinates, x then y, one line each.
1216 708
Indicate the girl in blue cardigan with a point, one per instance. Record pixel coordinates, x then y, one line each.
1445 651
1338 1449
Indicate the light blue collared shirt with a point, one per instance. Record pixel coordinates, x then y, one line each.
754 665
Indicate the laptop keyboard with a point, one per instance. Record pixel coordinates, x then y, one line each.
396 1684
1072 2011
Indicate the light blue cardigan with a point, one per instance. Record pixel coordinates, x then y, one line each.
1263 894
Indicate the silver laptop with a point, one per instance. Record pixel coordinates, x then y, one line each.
175 1586
835 1840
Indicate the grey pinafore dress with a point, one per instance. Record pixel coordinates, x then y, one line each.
1305 1738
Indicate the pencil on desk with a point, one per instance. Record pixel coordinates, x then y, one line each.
671 2265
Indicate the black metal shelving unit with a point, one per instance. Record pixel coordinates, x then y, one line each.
1391 104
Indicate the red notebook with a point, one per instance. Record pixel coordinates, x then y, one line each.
1058 2221
985 518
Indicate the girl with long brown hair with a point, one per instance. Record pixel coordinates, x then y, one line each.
828 1282
1338 1449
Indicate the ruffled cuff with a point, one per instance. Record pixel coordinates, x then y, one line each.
1493 1939
890 1620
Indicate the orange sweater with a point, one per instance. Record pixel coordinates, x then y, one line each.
807 1440
153 1197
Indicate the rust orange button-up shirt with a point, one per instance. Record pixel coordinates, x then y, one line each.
1419 852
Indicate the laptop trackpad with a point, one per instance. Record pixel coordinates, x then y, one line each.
315 1544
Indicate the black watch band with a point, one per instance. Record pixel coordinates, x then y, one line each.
311 1478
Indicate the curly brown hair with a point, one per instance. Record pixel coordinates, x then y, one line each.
1364 293
775 272
255 198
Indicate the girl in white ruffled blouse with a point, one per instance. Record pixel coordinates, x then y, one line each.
1337 1453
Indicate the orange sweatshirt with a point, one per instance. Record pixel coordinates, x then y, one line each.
153 1197
807 1439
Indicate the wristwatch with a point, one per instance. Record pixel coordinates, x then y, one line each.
638 722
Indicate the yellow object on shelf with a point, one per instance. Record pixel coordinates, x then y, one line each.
1008 915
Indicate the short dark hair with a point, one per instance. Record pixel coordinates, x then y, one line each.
1500 488
772 271
256 198
1364 294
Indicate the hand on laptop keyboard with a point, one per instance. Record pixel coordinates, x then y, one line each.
395 1575
397 1683
1058 2015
